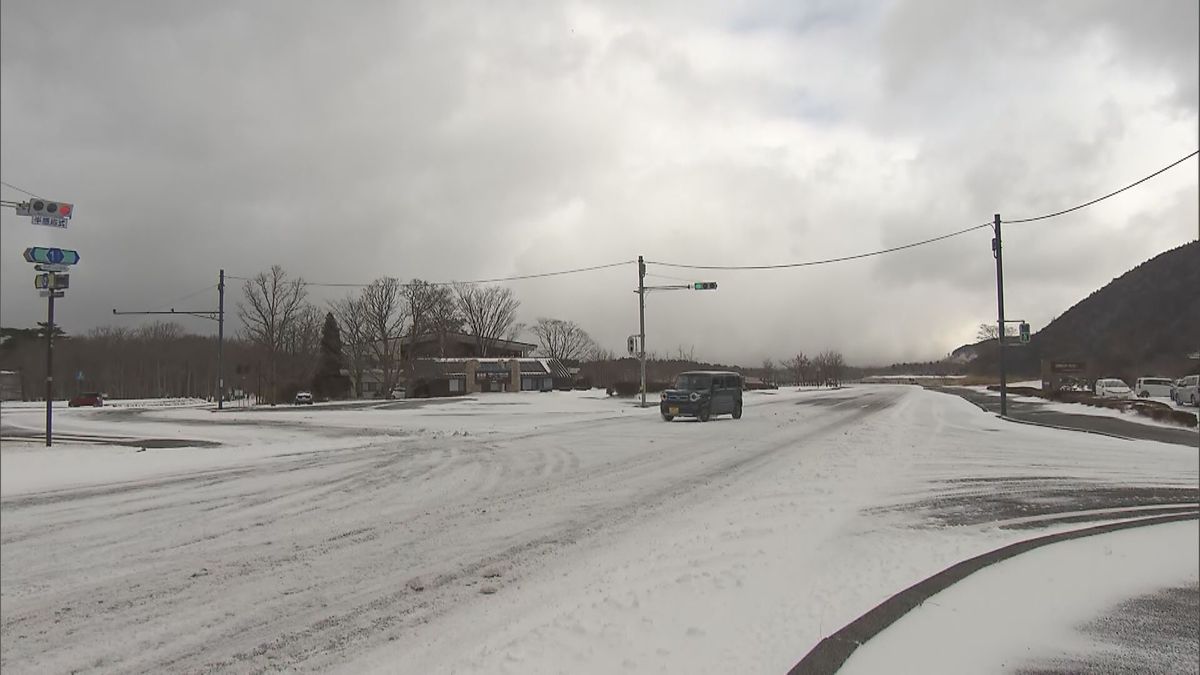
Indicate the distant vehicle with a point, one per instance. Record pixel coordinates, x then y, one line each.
1145 387
94 399
1186 390
303 398
1111 387
702 394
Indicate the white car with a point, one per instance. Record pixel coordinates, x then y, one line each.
303 398
1145 387
1111 387
1186 390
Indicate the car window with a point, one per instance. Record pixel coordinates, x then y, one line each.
693 382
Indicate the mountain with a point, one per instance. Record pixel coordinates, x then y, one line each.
1144 322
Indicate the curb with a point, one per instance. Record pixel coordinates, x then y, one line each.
1062 428
831 653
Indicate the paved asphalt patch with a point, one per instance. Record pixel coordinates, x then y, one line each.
1038 414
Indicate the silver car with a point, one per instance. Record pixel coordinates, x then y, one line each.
1186 390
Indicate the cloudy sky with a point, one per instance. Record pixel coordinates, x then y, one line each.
447 141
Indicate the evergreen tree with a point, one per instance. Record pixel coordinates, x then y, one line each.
329 382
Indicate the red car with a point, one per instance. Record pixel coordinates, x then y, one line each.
91 398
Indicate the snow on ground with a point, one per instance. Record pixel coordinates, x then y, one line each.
1082 409
111 403
521 533
983 624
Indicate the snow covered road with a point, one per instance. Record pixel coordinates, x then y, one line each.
516 533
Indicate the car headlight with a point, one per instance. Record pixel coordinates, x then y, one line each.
662 395
694 396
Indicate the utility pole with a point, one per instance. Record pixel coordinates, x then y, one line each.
219 317
998 252
49 369
220 341
642 323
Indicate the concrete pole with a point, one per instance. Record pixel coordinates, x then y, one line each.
642 324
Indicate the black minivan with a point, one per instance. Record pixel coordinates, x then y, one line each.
702 394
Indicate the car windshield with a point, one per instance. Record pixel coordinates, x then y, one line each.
1155 380
1112 383
693 382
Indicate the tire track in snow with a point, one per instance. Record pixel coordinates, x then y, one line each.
353 529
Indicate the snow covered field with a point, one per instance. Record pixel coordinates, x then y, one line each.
520 533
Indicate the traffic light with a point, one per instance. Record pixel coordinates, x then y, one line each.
631 343
1024 332
43 207
704 286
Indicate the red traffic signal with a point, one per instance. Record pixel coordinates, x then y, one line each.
43 207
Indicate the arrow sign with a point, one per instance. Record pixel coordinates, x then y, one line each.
41 281
51 256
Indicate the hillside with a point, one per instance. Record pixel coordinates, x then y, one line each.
1144 322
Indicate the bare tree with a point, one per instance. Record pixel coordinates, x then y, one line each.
989 331
563 340
768 370
829 365
489 312
386 315
800 367
351 315
273 305
434 312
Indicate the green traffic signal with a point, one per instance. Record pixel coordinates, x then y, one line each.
704 286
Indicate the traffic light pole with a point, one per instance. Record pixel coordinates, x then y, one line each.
50 369
219 317
220 341
642 324
998 252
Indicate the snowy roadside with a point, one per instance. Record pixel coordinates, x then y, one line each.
527 533
1082 409
985 623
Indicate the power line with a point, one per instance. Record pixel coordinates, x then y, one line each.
19 189
473 281
1100 199
187 297
826 261
925 241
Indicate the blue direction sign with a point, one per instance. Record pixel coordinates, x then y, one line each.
51 256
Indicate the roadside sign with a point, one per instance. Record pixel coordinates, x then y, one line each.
1067 366
52 280
51 268
57 294
51 221
53 256
79 376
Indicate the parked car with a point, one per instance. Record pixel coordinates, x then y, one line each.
303 398
1187 390
702 394
92 398
1145 387
1111 387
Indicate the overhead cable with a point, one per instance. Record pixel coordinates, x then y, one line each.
826 261
1100 199
518 277
19 189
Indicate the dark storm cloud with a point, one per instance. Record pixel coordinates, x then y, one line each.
454 140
